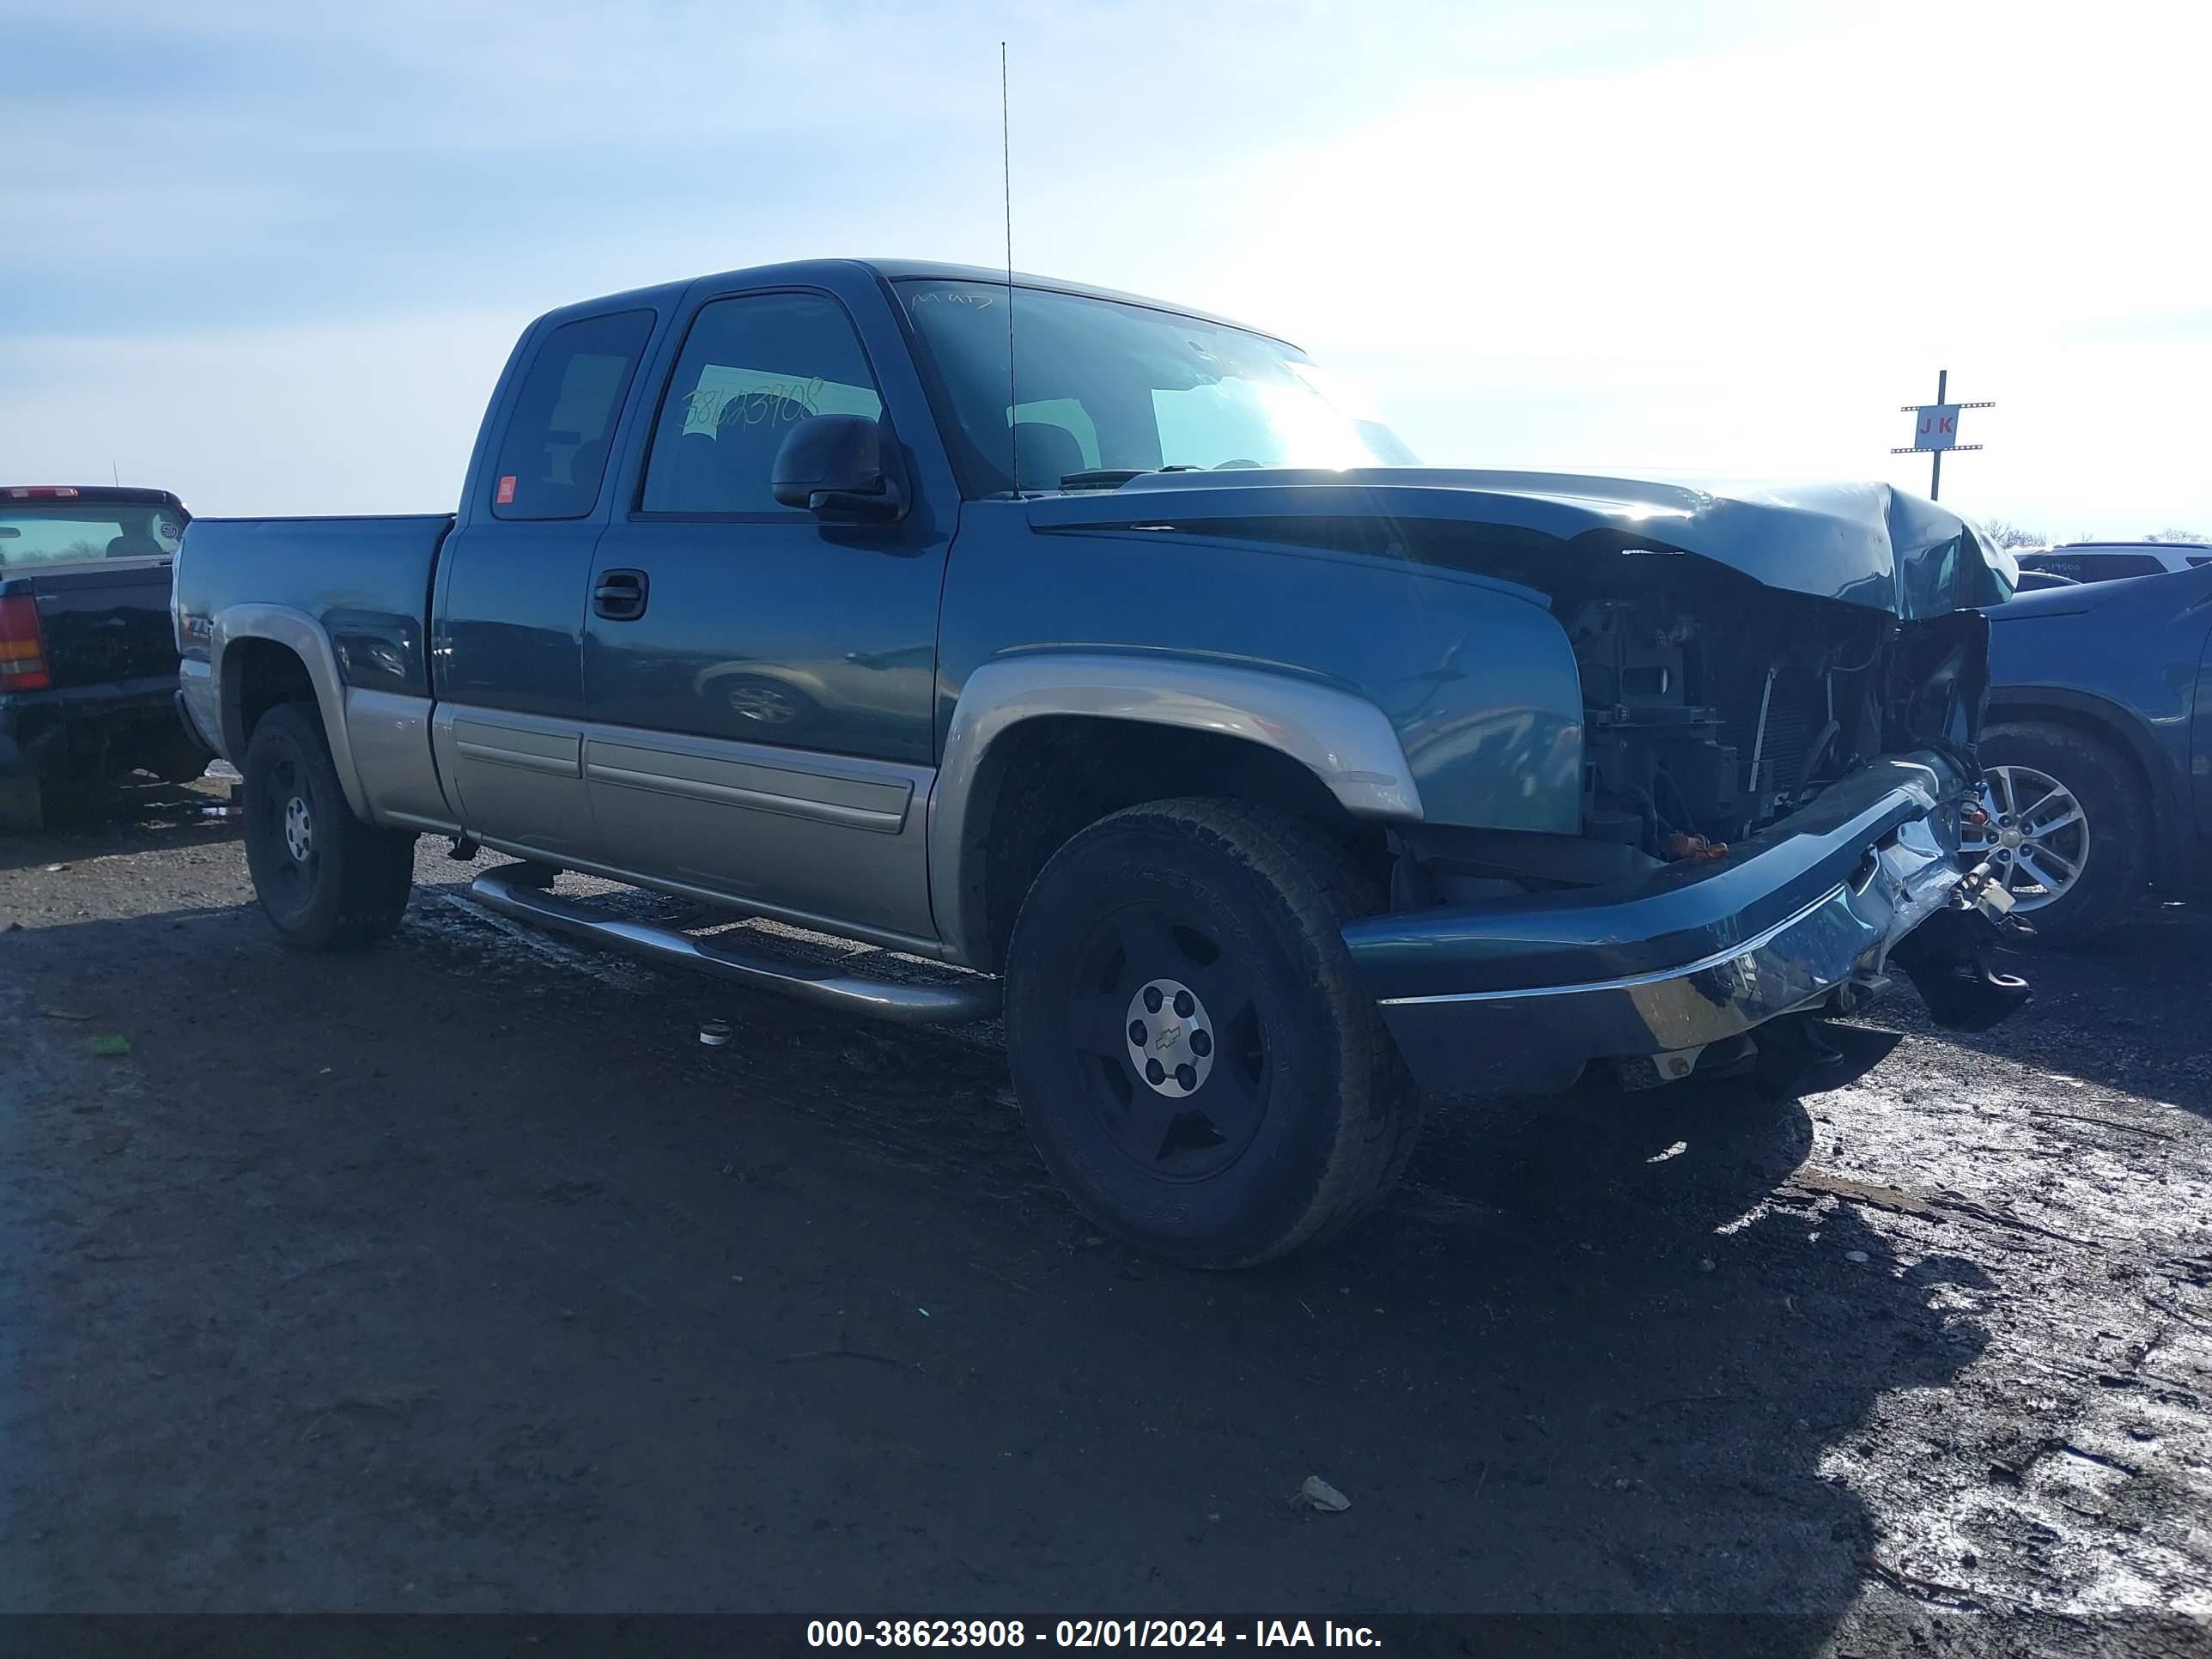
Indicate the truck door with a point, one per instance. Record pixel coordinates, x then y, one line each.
760 685
512 580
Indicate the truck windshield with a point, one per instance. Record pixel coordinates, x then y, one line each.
56 532
1106 386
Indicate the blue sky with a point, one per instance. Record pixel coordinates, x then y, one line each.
273 255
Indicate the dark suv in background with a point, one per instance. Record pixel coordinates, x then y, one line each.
2097 730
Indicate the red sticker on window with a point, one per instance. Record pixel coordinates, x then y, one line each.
507 490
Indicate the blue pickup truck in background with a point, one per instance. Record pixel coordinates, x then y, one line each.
1105 654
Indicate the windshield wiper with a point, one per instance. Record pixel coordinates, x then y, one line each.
1113 477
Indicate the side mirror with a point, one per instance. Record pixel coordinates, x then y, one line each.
834 465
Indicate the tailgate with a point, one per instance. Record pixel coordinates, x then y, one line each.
102 621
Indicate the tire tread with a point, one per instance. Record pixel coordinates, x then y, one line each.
373 868
1320 887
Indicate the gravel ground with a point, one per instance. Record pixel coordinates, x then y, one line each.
459 1276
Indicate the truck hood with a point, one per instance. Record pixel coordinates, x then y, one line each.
1865 545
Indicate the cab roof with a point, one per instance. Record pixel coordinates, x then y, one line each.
827 272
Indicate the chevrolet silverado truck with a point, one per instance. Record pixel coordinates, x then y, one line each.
1112 657
88 660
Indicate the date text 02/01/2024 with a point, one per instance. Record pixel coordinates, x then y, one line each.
1084 1634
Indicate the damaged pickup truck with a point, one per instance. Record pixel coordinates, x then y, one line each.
1106 656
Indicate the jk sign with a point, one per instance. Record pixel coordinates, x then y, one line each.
1935 426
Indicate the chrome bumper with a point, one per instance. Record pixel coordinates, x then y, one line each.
1539 1039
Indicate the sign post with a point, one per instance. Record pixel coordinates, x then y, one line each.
1936 428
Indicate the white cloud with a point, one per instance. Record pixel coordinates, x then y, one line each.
1727 235
1748 260
374 417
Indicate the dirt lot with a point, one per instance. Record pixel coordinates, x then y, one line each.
458 1276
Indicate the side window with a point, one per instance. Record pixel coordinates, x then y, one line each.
752 367
1052 439
553 452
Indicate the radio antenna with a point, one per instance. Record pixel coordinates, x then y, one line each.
1007 182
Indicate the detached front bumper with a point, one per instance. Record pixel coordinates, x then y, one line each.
1519 996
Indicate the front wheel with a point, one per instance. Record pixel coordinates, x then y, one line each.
326 880
2069 828
1194 1054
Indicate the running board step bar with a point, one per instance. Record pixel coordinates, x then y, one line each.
831 984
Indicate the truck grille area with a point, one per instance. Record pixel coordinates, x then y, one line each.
1797 709
1704 721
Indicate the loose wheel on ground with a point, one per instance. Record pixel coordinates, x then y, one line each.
326 880
1195 1058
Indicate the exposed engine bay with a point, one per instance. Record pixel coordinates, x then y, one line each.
1713 706
1705 721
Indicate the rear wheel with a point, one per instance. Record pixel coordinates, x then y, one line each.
79 799
177 758
22 806
1195 1056
2069 828
62 801
326 880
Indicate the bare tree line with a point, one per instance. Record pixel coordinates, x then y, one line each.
2008 532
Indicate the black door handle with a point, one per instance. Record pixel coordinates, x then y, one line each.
620 596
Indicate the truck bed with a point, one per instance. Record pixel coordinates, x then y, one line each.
366 580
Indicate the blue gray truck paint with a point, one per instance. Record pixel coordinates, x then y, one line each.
1864 543
364 582
1475 677
2126 661
1174 598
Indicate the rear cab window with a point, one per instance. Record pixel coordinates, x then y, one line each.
2095 567
60 533
553 454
